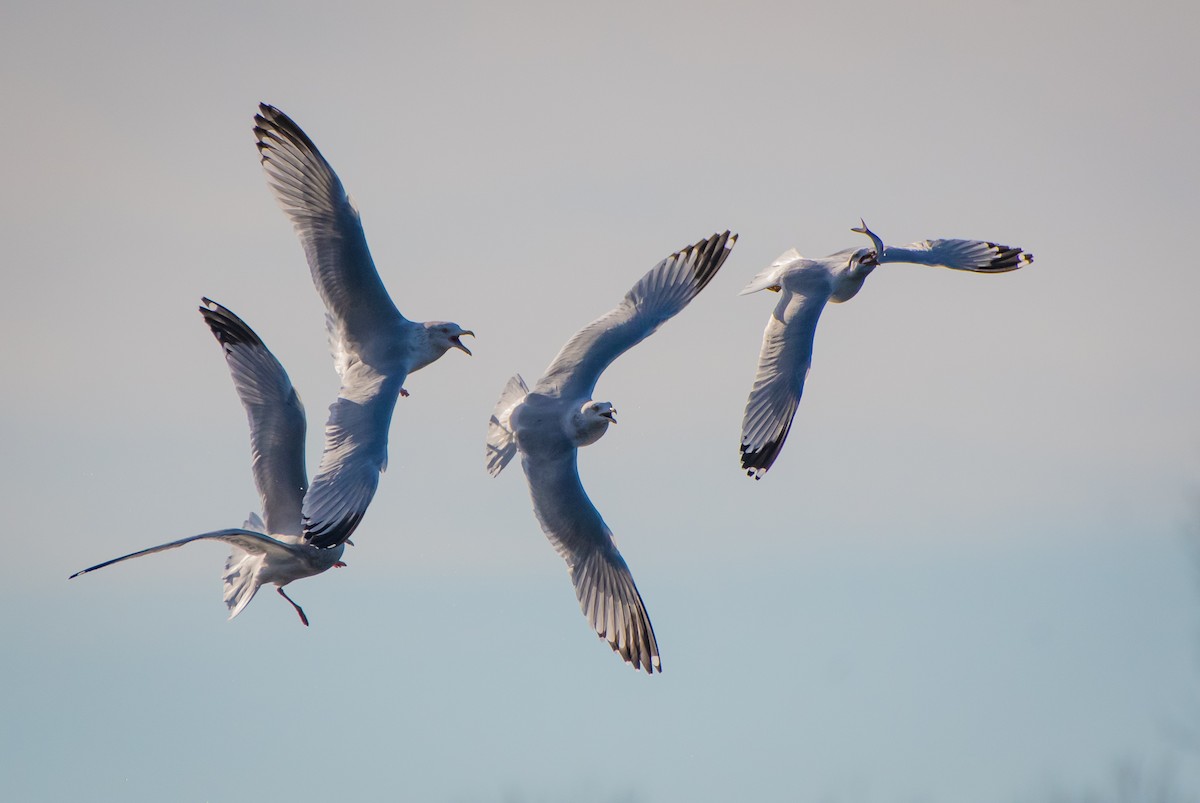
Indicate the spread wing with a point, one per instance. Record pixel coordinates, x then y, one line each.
978 256
312 195
356 438
252 542
783 364
276 417
605 589
658 296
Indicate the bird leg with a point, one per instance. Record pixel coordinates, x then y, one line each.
404 393
299 610
341 564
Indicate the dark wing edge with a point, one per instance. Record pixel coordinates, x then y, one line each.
657 297
330 229
783 364
612 605
274 412
976 256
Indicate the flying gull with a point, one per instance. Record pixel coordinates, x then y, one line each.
548 425
270 551
374 347
806 285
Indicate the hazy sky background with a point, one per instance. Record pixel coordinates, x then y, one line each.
967 578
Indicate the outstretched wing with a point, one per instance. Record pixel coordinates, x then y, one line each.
312 195
252 542
356 438
658 296
783 364
276 417
501 440
978 256
605 589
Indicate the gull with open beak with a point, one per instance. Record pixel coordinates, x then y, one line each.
374 347
806 286
548 424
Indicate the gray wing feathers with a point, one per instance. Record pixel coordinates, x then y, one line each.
660 294
329 227
252 542
978 256
275 414
603 584
501 440
355 453
783 365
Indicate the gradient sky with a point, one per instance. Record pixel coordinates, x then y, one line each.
968 577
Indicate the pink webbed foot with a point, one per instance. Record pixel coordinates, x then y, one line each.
404 393
339 565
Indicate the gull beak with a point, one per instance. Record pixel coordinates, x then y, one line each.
458 343
611 415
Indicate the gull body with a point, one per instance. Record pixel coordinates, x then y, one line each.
374 347
805 287
271 551
549 423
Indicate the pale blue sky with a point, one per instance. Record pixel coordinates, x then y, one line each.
967 578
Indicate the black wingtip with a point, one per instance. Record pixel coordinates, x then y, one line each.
756 462
1006 258
331 534
710 255
227 328
272 126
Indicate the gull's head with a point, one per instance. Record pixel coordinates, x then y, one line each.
601 410
592 421
445 335
864 258
862 229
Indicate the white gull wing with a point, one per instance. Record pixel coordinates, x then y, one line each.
783 364
978 256
659 295
356 439
312 196
603 584
241 578
276 418
501 440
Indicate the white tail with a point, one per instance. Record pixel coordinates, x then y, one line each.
772 275
501 440
241 571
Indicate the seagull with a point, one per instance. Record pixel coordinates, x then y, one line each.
548 425
374 347
270 551
806 286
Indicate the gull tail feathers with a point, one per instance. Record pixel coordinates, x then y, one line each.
241 579
770 277
241 571
501 440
